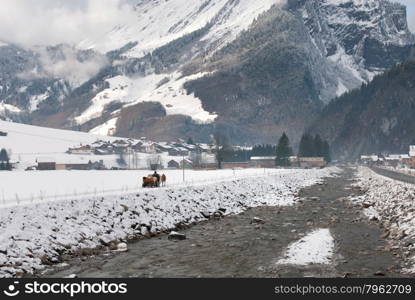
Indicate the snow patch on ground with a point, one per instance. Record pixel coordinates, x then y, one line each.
341 89
108 128
316 247
392 203
38 234
36 100
8 107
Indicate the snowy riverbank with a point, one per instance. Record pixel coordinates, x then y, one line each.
390 202
41 233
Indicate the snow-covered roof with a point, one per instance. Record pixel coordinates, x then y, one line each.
263 157
396 156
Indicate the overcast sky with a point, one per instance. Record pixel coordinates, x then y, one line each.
29 22
411 12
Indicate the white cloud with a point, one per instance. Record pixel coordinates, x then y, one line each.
49 22
65 62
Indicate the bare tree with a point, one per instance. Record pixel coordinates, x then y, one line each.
154 162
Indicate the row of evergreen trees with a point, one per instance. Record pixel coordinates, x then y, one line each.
309 147
314 147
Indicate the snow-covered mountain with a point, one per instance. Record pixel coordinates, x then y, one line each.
251 68
159 22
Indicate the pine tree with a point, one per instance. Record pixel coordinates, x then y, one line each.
326 152
4 160
190 141
318 146
284 151
307 146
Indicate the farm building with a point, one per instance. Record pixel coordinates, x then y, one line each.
69 164
262 162
232 165
409 162
46 166
312 162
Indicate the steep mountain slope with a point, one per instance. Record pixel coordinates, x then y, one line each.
379 117
159 22
250 68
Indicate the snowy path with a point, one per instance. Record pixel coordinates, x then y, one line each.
388 200
346 244
395 175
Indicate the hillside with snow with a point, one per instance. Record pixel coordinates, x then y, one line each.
240 66
27 145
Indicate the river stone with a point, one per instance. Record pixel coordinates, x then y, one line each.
257 220
176 236
122 247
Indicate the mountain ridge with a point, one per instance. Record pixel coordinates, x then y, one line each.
302 55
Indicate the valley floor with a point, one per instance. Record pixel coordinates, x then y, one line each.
323 235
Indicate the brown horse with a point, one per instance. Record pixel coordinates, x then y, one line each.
149 181
163 180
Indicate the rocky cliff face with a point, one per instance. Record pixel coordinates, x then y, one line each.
358 38
379 117
252 69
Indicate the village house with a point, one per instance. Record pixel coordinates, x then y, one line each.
120 146
186 163
395 160
84 150
178 151
163 147
172 164
145 147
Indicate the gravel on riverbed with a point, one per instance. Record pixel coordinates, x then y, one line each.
391 203
41 234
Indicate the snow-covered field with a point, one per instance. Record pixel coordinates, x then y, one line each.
36 234
41 186
28 144
392 203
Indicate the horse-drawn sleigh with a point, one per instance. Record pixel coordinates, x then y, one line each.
154 180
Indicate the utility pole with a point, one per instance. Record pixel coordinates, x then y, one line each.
183 168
